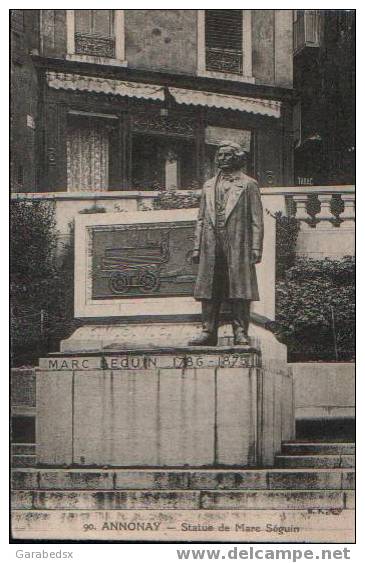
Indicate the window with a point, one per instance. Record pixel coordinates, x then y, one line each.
223 40
306 29
224 44
89 156
96 36
94 32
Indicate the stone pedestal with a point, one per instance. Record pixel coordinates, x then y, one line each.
163 407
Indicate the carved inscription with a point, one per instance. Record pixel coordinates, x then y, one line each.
152 361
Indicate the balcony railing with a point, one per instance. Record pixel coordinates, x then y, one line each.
96 45
306 30
223 60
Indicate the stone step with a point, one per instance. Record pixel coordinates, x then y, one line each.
23 449
183 500
314 461
314 448
23 460
181 479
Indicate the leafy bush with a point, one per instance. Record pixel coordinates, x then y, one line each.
287 229
33 244
315 309
41 283
91 210
177 200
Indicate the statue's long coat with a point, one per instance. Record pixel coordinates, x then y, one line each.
244 227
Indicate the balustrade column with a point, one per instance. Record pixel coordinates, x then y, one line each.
325 216
349 207
301 212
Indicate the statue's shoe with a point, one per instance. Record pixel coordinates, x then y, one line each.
241 339
204 339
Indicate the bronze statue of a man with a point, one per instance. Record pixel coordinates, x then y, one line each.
228 244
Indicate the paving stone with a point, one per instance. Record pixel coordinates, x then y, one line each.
164 500
75 479
336 448
22 500
107 500
244 479
285 500
320 479
347 461
320 461
145 479
350 499
25 449
27 479
23 460
348 480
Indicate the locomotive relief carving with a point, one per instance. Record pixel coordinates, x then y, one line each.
138 260
136 266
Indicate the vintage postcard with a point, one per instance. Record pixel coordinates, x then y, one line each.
182 275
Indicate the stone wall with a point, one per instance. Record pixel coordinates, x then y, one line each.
324 390
166 40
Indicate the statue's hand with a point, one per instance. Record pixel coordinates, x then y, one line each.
256 256
195 257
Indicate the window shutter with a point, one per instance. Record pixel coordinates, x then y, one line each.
223 40
83 21
94 32
102 23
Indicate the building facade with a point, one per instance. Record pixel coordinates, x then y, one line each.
324 81
138 99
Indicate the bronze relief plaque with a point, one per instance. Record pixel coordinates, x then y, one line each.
142 260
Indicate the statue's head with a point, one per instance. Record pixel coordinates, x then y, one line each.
230 156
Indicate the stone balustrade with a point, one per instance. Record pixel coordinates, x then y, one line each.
319 206
326 215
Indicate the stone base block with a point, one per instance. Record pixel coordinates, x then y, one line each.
163 407
99 337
